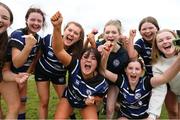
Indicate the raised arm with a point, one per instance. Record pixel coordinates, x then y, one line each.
91 39
107 48
58 44
129 44
168 75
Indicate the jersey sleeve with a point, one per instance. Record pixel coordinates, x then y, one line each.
16 40
138 46
120 80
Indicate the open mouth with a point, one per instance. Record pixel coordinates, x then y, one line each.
69 40
133 76
88 67
111 40
167 47
1 25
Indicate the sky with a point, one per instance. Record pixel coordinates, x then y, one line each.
95 13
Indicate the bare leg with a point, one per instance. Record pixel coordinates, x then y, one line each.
89 112
59 89
112 95
10 93
43 93
171 105
63 110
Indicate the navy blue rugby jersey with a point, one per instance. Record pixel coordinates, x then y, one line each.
17 41
79 89
48 60
134 103
116 61
144 50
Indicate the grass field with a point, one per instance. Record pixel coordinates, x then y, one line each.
32 104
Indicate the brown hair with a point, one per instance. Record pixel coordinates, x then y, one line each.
149 19
78 46
36 10
156 53
4 35
97 54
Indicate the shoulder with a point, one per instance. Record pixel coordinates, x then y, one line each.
48 36
17 33
139 41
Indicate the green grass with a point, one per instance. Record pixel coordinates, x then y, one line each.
32 103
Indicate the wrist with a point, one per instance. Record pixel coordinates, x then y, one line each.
152 116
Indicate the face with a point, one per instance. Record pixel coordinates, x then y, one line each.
34 22
164 43
148 31
134 72
71 35
111 33
4 19
88 64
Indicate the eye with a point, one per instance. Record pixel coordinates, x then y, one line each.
114 32
160 40
76 33
70 30
107 32
85 56
93 58
4 17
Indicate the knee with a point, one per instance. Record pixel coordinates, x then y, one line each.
172 113
14 108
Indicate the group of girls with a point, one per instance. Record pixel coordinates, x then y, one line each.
111 66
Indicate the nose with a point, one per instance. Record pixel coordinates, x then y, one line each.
36 22
133 71
147 30
71 33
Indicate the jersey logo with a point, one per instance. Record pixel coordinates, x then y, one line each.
50 53
148 52
61 79
116 62
137 95
88 92
77 82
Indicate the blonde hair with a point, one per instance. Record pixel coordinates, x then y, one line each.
116 23
156 53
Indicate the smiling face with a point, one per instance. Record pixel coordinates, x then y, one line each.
164 43
71 35
34 22
134 71
4 19
148 31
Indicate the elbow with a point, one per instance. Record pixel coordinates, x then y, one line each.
17 64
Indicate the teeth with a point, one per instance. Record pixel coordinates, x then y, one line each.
1 24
